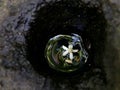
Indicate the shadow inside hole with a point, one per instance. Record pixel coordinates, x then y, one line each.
66 17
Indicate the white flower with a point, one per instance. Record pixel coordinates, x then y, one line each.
69 51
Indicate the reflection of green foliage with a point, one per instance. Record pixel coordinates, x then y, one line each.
61 59
80 54
55 50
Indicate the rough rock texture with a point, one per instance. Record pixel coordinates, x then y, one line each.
16 73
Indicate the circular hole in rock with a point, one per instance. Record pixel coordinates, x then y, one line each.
66 17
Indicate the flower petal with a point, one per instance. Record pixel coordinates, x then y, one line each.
64 47
65 53
70 46
68 61
71 56
76 50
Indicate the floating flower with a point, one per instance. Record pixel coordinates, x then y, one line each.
69 51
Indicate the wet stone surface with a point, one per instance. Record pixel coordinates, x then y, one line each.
99 27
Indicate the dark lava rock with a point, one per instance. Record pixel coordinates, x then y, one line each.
22 26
